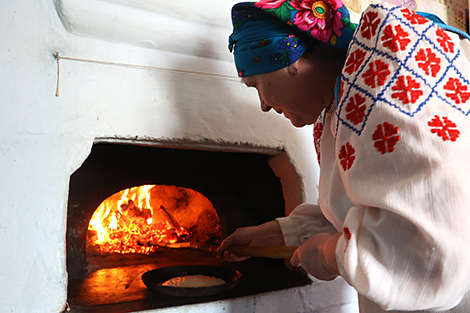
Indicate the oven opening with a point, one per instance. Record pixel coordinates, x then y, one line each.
134 208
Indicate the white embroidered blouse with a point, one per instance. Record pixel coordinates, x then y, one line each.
395 165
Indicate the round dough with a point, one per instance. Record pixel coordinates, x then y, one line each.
193 281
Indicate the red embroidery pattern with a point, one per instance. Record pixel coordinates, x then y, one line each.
356 109
318 130
377 74
444 40
385 137
317 133
354 61
408 91
413 17
459 94
428 61
369 24
445 128
397 40
341 90
428 74
346 155
347 235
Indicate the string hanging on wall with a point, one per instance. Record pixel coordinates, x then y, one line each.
145 67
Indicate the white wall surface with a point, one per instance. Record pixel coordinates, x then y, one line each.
45 138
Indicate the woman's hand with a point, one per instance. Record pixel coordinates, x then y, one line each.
318 256
267 234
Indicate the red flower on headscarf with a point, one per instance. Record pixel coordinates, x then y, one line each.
319 17
269 4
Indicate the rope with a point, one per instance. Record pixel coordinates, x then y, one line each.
146 67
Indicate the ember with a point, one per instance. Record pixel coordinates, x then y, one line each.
140 219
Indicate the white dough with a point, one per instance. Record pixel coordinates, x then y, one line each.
194 281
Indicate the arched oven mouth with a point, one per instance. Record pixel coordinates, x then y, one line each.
195 199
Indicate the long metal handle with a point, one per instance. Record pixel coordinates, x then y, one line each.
280 252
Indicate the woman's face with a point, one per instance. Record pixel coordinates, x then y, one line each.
294 92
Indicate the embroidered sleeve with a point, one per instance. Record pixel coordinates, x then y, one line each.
305 221
402 146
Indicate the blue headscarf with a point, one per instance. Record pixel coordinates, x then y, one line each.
265 46
271 34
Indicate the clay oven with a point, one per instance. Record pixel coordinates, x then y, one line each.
132 76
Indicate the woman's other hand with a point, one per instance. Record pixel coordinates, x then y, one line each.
267 234
318 256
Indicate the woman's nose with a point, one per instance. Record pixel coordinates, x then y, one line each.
264 106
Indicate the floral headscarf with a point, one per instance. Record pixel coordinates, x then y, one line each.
271 34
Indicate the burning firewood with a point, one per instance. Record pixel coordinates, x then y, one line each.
174 224
130 222
131 210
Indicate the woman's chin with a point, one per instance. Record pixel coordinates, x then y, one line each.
296 120
298 123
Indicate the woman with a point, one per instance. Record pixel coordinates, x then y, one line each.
390 102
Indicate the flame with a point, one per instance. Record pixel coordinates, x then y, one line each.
126 223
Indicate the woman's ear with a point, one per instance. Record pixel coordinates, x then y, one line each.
293 68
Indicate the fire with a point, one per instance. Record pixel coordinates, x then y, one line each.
126 222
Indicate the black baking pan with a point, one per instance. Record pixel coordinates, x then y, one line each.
153 280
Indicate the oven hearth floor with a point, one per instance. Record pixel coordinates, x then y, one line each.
120 289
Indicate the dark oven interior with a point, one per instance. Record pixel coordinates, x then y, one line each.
241 187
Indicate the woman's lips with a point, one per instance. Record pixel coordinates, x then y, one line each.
267 108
